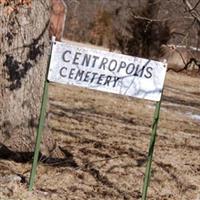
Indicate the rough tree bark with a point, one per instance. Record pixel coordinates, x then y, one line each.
24 50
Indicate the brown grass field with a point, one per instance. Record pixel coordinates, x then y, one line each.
105 138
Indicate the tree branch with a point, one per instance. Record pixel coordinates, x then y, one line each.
192 10
195 6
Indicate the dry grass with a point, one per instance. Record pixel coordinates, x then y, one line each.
107 137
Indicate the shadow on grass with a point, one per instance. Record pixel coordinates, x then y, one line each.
24 157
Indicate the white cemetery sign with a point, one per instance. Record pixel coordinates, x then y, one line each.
106 71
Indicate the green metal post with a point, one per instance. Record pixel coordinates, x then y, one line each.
39 134
151 149
41 126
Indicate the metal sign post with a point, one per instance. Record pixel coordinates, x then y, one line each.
151 150
41 126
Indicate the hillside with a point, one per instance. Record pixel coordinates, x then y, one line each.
105 138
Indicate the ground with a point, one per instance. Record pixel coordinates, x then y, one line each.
105 139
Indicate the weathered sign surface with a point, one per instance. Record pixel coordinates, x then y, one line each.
106 71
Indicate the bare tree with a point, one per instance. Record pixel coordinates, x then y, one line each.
192 9
24 55
146 32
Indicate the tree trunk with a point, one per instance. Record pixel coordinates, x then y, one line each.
24 55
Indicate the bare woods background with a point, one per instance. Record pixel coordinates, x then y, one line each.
138 28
